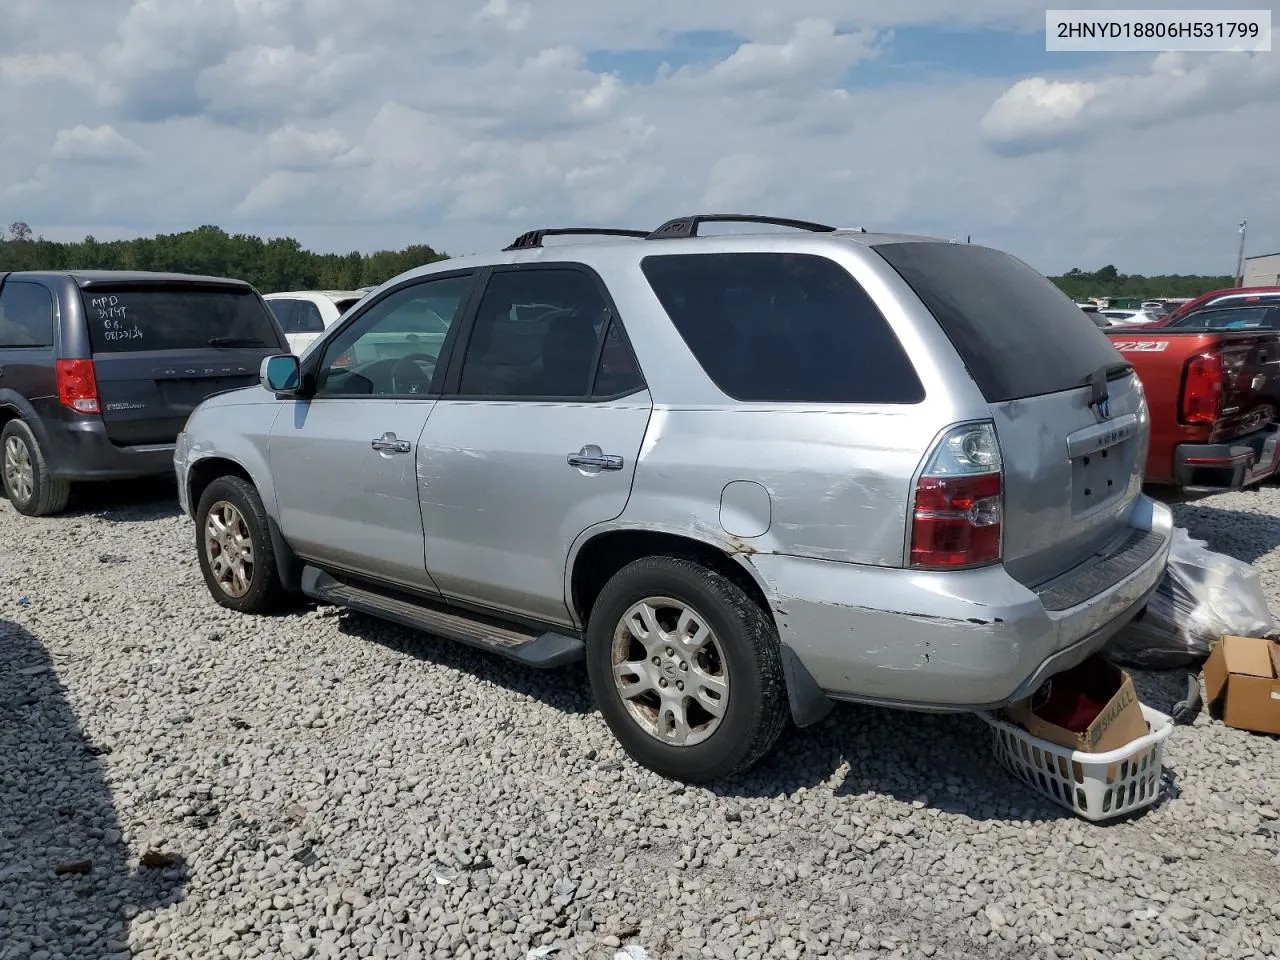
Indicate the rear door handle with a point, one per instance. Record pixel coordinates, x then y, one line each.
387 443
590 456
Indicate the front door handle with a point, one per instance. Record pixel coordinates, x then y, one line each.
590 456
387 443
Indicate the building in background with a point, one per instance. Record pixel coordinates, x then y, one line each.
1263 271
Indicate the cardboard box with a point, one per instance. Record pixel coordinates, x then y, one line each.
1240 679
1117 723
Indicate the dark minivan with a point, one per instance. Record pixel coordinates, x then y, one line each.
99 370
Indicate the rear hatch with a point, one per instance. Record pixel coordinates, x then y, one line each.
161 347
1068 410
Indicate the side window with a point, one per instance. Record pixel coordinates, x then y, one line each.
536 335
783 328
26 315
619 373
308 318
392 347
284 311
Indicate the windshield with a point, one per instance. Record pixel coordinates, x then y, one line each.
129 319
1231 318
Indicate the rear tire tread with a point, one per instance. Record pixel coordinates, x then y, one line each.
49 495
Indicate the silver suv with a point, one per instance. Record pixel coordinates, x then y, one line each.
742 475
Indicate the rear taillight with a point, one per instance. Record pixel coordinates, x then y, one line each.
77 386
958 507
1203 382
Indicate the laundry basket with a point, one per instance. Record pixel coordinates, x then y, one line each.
1095 786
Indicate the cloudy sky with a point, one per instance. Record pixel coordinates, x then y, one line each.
366 124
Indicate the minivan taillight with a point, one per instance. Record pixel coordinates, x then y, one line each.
77 386
958 508
1203 381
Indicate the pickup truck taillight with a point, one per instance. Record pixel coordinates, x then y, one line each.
1203 380
958 506
78 386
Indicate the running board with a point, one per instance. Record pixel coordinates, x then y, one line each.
515 642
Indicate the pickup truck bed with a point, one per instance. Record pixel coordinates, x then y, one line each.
1212 397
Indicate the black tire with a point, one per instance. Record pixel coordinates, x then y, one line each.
48 495
264 592
757 703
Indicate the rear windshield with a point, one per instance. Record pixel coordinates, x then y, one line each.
1262 317
131 319
773 327
1017 333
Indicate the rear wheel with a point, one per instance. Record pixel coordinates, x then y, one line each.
686 670
30 487
236 554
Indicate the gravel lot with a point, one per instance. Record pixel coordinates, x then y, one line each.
326 785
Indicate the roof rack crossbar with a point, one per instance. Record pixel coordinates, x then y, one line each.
683 227
533 239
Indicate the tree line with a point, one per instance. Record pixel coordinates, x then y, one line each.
270 265
282 263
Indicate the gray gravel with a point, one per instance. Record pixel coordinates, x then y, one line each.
326 785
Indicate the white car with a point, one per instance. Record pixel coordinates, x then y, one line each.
305 314
1125 318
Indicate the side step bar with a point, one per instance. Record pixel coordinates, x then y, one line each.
518 643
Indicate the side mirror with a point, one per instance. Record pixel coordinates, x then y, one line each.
282 375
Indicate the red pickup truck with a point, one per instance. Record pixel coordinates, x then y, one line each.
1212 395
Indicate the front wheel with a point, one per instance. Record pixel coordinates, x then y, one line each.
686 670
236 554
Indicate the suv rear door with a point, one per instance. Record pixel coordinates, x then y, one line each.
534 441
160 347
1072 470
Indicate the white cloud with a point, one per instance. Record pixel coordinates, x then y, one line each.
375 125
95 145
1037 113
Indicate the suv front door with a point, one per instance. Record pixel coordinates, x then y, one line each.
534 441
344 459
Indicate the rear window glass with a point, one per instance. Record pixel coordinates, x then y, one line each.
774 327
131 319
1018 334
26 315
1261 317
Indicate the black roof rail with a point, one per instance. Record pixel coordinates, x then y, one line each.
683 227
532 239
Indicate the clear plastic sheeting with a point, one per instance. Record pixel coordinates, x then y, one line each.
1203 596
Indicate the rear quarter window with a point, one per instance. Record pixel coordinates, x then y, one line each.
775 327
130 319
26 315
1018 334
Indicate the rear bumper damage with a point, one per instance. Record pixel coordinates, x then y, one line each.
1200 470
962 641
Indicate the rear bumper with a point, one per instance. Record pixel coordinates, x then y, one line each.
1205 469
80 450
969 640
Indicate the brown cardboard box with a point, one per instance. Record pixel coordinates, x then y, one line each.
1242 673
1117 724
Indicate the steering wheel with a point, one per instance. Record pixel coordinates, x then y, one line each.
408 375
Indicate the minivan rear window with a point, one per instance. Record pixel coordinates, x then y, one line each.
129 319
1018 334
783 328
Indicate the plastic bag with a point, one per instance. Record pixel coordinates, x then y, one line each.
1203 595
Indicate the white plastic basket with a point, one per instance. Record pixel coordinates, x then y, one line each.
1095 786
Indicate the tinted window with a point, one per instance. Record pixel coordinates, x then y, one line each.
783 327
1231 318
536 334
391 349
26 315
1018 334
130 319
345 305
308 318
284 311
619 373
